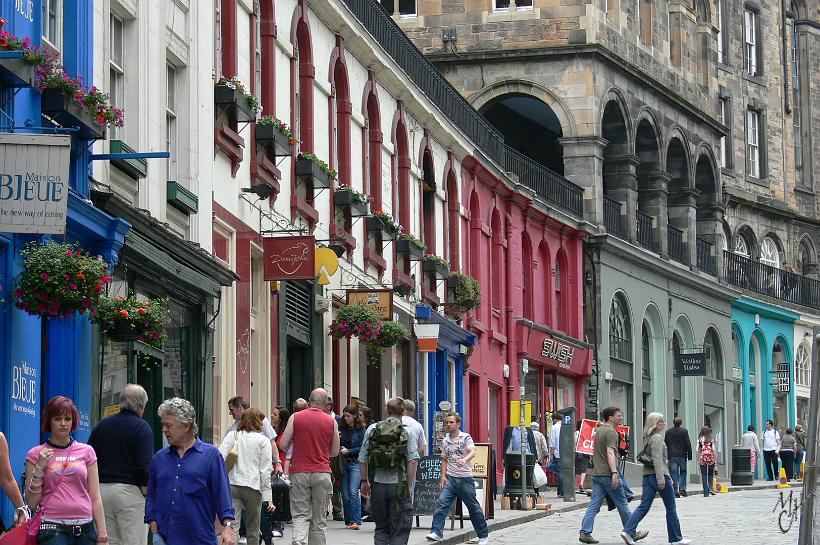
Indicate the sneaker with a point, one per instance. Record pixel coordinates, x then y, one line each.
627 538
277 533
483 541
587 538
432 536
242 541
640 535
677 494
683 493
683 541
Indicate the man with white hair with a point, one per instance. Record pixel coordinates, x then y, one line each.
541 448
315 437
414 426
124 446
188 485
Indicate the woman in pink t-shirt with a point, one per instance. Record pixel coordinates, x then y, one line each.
62 477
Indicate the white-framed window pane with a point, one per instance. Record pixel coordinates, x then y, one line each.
803 374
171 95
741 246
719 20
51 15
171 122
723 152
752 143
769 254
750 18
117 41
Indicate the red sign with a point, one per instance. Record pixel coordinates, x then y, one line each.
586 436
290 258
556 353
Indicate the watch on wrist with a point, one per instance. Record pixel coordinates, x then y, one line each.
230 524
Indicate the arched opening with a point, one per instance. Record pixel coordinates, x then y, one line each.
304 93
373 175
428 219
651 186
756 369
780 364
529 126
527 276
559 284
497 269
401 200
683 340
542 310
621 359
654 351
708 214
453 219
620 196
681 200
476 239
714 355
806 258
342 107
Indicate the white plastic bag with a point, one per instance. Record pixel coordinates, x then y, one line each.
539 476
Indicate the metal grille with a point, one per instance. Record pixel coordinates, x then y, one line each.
547 184
767 280
298 308
612 217
706 261
677 249
645 235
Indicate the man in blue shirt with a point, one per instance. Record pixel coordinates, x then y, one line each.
188 484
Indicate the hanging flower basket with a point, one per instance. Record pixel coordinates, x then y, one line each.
128 319
381 221
390 333
356 321
59 279
435 265
464 292
411 246
273 132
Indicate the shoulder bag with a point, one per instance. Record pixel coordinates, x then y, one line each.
645 458
233 455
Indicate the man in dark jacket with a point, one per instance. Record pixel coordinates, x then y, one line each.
679 448
124 445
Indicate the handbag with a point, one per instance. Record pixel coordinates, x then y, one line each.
15 536
233 455
645 458
280 497
338 465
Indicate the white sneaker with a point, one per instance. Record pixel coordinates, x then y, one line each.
242 541
480 540
277 533
432 536
627 538
683 541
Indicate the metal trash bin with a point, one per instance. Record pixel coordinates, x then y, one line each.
512 473
742 467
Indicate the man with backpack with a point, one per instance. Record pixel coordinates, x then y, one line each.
457 453
388 459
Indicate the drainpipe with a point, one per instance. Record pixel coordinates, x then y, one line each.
805 536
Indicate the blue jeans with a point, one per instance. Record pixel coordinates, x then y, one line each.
63 536
601 488
462 488
625 486
350 493
798 460
650 487
560 476
677 467
706 475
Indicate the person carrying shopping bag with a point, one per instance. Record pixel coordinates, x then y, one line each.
706 459
656 480
788 452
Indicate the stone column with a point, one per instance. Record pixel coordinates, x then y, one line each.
620 174
654 202
682 212
584 166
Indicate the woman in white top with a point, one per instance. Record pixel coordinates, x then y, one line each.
750 441
250 475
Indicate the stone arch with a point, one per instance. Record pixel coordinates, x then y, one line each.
709 212
806 257
620 327
480 98
681 199
651 182
619 165
749 238
654 348
718 355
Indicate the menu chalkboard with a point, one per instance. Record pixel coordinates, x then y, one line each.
428 476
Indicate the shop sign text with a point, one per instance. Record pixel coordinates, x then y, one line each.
24 388
560 352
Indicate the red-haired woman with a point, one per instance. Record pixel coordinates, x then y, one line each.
62 477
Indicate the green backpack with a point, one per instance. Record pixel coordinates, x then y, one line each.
387 449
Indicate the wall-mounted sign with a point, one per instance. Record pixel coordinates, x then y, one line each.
327 263
427 337
691 365
34 183
555 352
380 300
737 373
290 258
783 381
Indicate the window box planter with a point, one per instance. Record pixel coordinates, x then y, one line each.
403 284
67 113
308 170
344 198
406 247
376 224
182 199
124 331
235 103
434 266
271 137
136 168
14 71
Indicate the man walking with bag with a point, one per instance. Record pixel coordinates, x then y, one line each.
457 453
388 457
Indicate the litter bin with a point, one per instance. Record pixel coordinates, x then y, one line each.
512 473
742 467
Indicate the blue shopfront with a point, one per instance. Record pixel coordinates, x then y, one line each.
43 358
443 373
762 338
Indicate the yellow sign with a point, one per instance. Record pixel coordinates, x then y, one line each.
515 413
111 409
380 300
327 263
481 460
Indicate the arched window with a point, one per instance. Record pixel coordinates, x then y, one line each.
805 259
453 219
342 107
803 366
769 254
497 288
556 283
735 350
620 336
646 370
304 91
742 246
527 276
714 356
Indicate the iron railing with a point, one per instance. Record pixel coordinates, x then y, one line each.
706 261
646 237
429 80
612 218
677 249
547 184
767 280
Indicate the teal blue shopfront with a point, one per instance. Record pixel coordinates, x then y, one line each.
763 338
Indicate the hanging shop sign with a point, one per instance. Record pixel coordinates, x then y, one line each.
557 353
427 335
782 377
691 365
379 300
290 258
34 183
327 263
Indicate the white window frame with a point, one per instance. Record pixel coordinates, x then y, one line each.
769 254
753 143
56 7
496 8
723 151
171 127
742 246
750 42
116 84
803 365
719 26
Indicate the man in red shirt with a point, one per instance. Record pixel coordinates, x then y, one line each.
315 437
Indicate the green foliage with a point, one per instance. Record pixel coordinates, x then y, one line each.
467 293
414 241
145 318
430 258
321 164
359 321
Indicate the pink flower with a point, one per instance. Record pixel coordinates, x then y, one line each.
44 277
85 302
69 253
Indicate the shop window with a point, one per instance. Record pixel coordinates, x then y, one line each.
713 417
52 22
171 121
751 50
714 356
645 353
116 68
620 337
565 394
769 254
803 365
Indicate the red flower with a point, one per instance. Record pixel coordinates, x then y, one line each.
44 277
123 313
72 287
81 276
141 311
